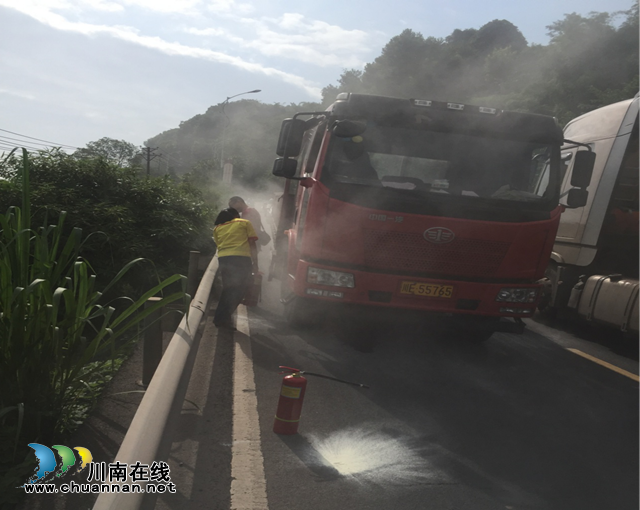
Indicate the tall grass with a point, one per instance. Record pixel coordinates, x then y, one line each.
53 321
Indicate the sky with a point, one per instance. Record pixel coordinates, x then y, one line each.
75 71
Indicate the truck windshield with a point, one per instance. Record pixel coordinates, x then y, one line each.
447 164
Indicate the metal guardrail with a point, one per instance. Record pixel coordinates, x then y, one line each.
147 439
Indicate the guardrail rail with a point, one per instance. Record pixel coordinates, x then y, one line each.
147 439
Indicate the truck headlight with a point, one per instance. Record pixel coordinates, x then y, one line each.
334 278
517 295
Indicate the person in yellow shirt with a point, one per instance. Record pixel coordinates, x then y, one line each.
235 239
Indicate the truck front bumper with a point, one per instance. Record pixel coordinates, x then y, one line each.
414 293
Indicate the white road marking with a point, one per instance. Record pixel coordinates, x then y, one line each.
248 484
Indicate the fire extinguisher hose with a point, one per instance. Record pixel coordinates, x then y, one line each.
297 371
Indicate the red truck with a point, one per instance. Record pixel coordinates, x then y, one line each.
443 208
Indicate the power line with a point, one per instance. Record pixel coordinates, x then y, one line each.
171 157
11 140
40 140
165 153
164 160
25 146
169 160
6 148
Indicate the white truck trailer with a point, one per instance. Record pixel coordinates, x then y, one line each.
594 262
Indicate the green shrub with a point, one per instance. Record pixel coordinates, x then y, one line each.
157 218
59 335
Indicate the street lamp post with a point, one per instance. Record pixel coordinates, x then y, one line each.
226 119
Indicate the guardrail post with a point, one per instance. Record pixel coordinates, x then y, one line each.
152 346
192 275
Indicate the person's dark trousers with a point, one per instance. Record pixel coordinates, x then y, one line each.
235 272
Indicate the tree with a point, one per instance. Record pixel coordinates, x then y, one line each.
499 67
398 71
499 34
119 152
350 81
250 130
122 215
589 63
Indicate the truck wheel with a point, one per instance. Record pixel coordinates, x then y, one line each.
301 313
547 310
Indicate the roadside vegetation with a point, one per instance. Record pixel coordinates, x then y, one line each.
589 62
123 214
73 286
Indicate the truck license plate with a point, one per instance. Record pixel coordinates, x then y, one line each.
426 289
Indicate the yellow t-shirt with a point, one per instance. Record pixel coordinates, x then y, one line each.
232 238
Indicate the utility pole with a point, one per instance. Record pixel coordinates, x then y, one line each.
149 157
226 120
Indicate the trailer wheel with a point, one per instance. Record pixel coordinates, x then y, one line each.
301 313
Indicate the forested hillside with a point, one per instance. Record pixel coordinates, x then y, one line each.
250 131
589 62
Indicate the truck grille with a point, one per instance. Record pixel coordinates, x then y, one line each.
409 251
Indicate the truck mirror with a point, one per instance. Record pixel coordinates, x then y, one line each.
349 128
582 169
290 140
577 197
285 167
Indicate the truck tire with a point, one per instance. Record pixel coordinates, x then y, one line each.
301 313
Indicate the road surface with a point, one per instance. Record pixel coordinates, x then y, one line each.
543 420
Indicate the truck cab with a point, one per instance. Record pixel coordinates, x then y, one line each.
420 205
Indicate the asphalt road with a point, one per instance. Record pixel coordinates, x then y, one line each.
543 420
520 422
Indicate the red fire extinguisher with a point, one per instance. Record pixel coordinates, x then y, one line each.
292 396
290 403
